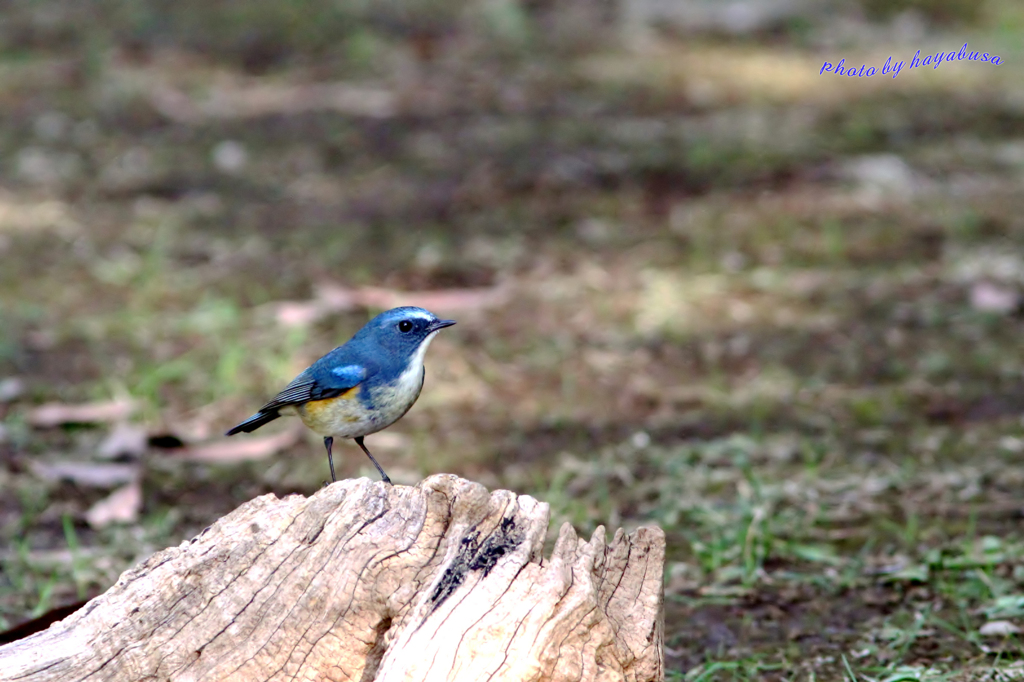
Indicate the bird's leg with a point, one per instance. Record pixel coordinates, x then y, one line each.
383 476
328 442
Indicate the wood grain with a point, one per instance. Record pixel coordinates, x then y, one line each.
364 581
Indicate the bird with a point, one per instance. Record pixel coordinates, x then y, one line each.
362 386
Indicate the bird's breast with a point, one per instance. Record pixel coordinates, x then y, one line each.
393 399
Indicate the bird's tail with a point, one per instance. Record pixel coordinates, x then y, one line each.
254 422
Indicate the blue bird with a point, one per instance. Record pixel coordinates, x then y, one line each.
361 387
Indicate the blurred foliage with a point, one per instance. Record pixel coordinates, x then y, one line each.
949 12
263 35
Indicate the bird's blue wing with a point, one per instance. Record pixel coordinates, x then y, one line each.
318 383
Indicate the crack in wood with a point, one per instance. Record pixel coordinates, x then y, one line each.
477 556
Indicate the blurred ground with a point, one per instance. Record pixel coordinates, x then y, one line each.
698 284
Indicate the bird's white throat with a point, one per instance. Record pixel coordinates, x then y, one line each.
410 379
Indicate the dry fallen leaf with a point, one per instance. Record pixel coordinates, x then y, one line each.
297 313
11 388
333 298
124 440
336 297
242 449
992 298
85 473
998 628
253 99
121 506
55 414
447 300
389 440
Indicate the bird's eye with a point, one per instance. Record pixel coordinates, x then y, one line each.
405 326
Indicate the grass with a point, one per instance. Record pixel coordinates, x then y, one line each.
712 324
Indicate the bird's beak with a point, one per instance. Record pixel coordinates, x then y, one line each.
439 324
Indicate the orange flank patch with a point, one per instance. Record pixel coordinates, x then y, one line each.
317 408
326 416
314 410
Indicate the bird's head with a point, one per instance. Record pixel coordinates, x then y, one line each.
404 332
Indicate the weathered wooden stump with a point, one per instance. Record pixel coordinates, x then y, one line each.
363 581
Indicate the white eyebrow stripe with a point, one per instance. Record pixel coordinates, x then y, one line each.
421 316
